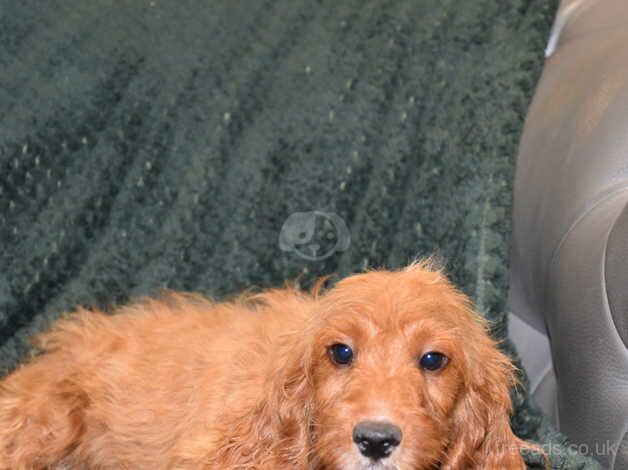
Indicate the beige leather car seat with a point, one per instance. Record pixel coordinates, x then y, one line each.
569 261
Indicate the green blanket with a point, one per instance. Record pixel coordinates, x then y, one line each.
150 144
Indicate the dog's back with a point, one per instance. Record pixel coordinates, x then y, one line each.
151 386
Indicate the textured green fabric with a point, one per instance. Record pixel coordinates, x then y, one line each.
150 144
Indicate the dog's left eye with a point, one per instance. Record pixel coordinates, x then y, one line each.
433 361
341 354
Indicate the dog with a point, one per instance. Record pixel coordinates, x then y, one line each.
386 370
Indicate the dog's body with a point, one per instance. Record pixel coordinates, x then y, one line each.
184 383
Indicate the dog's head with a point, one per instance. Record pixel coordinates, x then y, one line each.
395 371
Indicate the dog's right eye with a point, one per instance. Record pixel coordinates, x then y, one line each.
341 354
433 361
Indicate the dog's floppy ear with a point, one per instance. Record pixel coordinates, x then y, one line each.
482 437
275 434
283 417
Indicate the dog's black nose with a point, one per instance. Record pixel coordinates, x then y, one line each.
376 439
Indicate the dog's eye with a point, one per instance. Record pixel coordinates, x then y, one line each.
341 354
433 361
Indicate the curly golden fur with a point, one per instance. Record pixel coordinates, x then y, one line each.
185 383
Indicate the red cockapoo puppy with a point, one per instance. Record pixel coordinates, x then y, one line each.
387 370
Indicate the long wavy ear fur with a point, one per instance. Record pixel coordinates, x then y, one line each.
275 435
483 438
